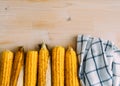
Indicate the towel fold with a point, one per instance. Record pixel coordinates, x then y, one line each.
99 62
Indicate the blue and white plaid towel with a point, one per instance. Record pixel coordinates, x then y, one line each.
99 62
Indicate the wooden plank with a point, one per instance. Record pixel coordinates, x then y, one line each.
58 21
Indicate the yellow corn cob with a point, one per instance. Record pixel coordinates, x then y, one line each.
5 67
58 66
31 68
42 65
17 66
71 65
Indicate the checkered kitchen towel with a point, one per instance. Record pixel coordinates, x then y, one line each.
99 62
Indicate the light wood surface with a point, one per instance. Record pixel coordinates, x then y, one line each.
56 22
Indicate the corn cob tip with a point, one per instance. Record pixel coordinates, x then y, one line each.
8 51
58 46
43 45
70 48
20 48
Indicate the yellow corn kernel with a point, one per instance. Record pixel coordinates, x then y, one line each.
42 65
17 66
71 65
5 67
31 68
58 66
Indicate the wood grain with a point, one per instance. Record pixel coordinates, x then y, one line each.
56 22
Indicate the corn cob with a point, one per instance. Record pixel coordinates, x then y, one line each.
6 66
31 68
71 65
58 66
42 65
17 66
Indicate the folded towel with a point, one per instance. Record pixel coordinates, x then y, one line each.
99 62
